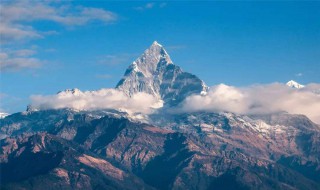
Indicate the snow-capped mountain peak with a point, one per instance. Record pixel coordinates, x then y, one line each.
154 73
294 84
148 62
155 43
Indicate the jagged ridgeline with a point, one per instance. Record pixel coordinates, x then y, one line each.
110 149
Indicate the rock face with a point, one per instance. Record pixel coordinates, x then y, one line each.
154 73
109 149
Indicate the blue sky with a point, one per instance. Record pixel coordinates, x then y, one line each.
50 46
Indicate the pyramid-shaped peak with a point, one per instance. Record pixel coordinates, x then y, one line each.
156 50
150 61
154 73
155 43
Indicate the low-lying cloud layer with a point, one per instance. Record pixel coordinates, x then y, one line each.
258 99
95 100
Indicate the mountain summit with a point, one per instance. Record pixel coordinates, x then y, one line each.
294 84
154 73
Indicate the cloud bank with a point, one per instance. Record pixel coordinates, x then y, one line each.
96 100
258 99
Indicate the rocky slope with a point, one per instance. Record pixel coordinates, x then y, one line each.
187 151
44 161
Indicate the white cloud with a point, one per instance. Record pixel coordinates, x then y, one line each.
258 99
144 7
18 59
150 6
24 52
17 32
83 16
17 15
96 100
15 64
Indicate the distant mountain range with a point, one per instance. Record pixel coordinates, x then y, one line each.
111 149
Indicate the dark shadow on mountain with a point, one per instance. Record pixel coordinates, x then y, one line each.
84 129
162 170
227 181
111 129
29 164
307 169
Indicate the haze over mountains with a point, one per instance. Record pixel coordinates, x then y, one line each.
163 128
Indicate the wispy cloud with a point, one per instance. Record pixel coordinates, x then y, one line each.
16 25
150 6
17 16
15 32
258 99
24 52
15 60
144 7
299 75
